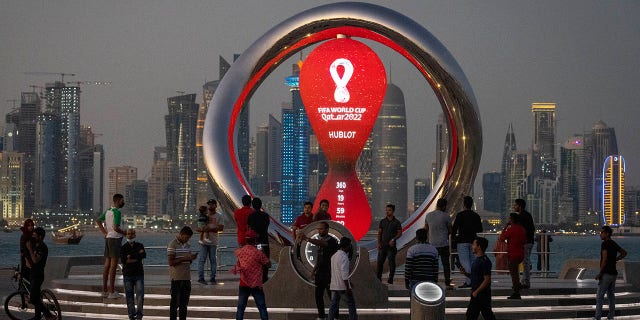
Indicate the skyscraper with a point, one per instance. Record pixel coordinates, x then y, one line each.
91 172
544 140
295 152
389 166
181 123
613 190
161 191
442 143
602 143
574 167
508 150
11 187
492 191
57 166
421 189
136 195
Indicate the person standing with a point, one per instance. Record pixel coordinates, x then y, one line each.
259 222
389 230
609 251
340 284
132 253
326 248
209 249
180 257
480 282
323 211
249 265
516 237
38 252
303 220
109 224
465 228
526 220
26 236
422 262
438 226
241 215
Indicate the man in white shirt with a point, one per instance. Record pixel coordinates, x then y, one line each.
109 224
340 284
438 226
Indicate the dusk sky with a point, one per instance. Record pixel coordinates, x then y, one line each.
583 55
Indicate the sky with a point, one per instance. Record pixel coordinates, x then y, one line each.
582 55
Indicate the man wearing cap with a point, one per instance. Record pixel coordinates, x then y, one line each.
210 248
250 262
340 284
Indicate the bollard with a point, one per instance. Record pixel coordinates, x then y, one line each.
427 302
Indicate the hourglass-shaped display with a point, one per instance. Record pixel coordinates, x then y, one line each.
342 85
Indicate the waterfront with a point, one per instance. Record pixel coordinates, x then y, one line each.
563 247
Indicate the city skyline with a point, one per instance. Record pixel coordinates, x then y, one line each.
510 58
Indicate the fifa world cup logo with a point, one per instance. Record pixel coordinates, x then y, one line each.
342 84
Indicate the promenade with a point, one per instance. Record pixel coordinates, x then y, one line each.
549 298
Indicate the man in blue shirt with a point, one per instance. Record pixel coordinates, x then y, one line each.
480 282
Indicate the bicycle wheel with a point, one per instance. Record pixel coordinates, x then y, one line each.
17 306
51 303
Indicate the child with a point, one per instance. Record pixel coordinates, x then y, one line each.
203 220
480 282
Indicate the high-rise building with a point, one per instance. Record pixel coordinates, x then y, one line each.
11 187
180 124
574 168
421 189
242 133
91 172
98 179
364 167
161 190
268 158
261 171
601 143
442 143
517 170
318 167
613 190
492 191
509 149
22 123
295 152
632 205
544 140
58 128
136 195
389 165
119 178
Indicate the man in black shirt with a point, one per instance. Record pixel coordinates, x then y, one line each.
465 228
527 222
38 253
389 230
131 255
608 273
326 247
259 222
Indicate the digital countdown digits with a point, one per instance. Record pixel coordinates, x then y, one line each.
342 85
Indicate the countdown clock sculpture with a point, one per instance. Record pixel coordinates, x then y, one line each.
328 22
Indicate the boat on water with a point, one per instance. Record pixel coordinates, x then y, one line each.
68 235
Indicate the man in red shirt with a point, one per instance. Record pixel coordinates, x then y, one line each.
516 237
249 266
241 215
322 213
303 220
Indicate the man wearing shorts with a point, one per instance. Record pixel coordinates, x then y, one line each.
109 224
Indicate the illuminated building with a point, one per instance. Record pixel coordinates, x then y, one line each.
295 152
544 140
119 178
268 158
421 189
389 165
11 187
613 190
442 144
363 169
601 143
181 150
57 162
574 167
318 167
161 191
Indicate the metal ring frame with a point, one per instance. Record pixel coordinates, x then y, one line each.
363 20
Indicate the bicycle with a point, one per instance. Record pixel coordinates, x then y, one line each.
17 304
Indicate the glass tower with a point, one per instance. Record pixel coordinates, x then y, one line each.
613 190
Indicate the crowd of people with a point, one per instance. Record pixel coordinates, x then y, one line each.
330 275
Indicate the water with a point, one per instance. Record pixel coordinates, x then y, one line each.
563 247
